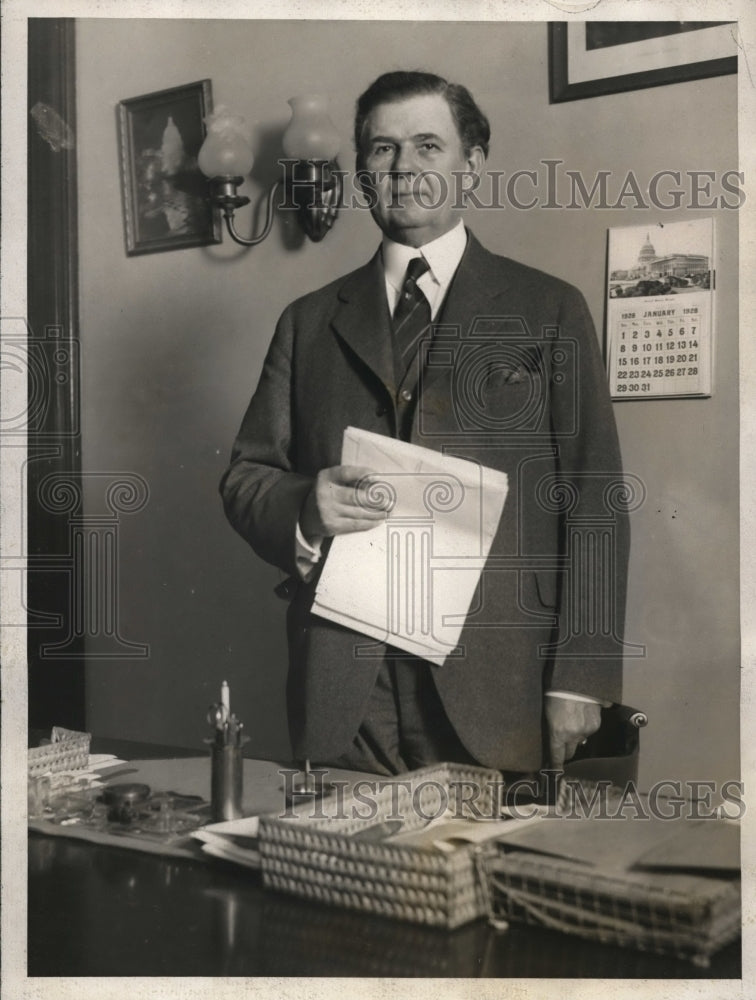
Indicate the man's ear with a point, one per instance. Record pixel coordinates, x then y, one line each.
475 160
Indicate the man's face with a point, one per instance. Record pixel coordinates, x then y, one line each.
414 149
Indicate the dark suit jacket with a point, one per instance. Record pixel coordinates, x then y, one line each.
514 380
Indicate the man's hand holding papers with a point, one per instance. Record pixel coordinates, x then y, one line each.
410 580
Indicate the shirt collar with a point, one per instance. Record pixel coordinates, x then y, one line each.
443 255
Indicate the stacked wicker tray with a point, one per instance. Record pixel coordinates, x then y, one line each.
66 751
314 853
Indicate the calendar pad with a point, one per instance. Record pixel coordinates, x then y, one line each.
660 310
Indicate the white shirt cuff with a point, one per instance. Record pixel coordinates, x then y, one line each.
306 554
573 696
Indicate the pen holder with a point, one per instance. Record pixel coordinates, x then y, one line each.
226 782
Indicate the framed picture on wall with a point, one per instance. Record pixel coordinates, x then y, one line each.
165 203
591 58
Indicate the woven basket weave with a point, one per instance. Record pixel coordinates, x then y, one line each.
68 751
670 914
321 859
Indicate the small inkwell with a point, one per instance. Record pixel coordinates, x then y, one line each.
125 801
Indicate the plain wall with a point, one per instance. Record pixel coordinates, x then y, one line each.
172 345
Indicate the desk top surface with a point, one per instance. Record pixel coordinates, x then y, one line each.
98 910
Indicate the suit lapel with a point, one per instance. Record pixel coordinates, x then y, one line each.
362 319
474 291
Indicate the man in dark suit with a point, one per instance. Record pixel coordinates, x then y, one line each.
438 342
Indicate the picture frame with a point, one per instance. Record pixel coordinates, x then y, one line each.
584 57
165 203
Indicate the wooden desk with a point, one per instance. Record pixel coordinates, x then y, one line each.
104 911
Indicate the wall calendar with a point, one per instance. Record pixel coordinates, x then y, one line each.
660 310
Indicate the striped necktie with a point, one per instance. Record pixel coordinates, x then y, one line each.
412 317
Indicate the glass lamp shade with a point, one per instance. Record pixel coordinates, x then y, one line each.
226 151
222 156
311 135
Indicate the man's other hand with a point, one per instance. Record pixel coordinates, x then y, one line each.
569 723
340 501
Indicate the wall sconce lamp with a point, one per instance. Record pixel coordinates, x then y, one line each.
311 180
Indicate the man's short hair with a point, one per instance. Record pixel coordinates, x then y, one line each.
472 124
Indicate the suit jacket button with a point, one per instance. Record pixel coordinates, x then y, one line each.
405 395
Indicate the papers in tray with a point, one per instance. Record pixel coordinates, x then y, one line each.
100 768
410 581
448 834
632 844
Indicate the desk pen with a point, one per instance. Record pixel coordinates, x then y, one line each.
228 729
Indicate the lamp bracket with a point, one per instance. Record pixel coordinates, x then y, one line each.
312 187
223 195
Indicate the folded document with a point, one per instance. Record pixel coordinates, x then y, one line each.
411 579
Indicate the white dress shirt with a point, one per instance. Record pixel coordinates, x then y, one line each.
443 256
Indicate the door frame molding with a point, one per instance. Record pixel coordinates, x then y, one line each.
56 685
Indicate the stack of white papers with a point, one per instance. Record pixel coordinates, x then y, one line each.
410 580
448 835
234 840
100 768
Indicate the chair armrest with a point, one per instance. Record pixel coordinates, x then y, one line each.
631 716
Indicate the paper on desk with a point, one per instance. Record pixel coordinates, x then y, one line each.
233 840
410 580
241 830
697 845
449 834
626 843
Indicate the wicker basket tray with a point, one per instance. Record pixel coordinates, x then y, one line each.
68 751
690 917
323 853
